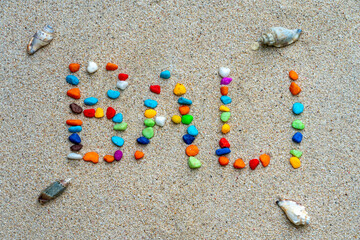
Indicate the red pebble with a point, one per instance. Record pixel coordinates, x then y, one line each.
110 113
155 89
224 143
253 163
123 76
89 113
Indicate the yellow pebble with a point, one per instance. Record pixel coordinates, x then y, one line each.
225 128
295 162
179 89
150 113
176 119
99 113
223 108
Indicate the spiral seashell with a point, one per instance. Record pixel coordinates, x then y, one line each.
53 191
294 211
40 39
277 37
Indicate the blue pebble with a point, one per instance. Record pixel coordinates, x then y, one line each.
298 108
222 151
75 129
118 141
118 118
72 79
75 138
113 94
297 137
225 99
188 139
165 74
184 101
150 103
90 101
192 130
143 140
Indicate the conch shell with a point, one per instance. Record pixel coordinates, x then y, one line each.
294 211
277 37
41 38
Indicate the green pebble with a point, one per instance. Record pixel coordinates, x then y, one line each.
149 122
225 116
120 127
186 119
148 132
194 163
297 124
296 153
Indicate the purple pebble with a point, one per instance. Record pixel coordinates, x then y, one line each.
226 81
118 155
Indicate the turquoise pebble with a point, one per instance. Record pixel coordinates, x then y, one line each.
118 141
113 94
90 101
184 101
297 108
192 130
118 118
225 100
165 74
150 103
72 79
75 129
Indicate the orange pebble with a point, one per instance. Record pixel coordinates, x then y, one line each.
239 163
138 155
192 150
111 66
265 159
293 75
184 110
224 90
223 161
74 122
294 89
74 67
91 157
74 93
109 158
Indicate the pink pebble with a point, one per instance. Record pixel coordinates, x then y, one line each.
226 81
118 155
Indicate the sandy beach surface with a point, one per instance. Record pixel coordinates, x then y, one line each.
160 197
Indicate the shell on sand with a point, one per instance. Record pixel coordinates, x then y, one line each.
277 37
40 39
294 211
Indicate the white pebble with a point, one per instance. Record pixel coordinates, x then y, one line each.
160 121
122 84
224 72
92 67
74 156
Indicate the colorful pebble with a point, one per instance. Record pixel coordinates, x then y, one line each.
75 129
165 74
184 110
297 137
138 155
150 103
225 116
109 158
264 159
122 85
71 79
296 153
295 162
192 150
293 75
223 161
224 143
192 131
176 119
187 119
239 163
148 132
294 89
111 67
150 113
75 138
74 156
194 163
118 155
123 76
92 67
188 139
225 128
253 163
298 124
224 72
76 147
113 94
224 90
297 108
184 101
149 122
110 113
91 157
118 141
118 118
222 151
74 67
99 113
179 89
90 113
120 127
74 122
74 93
225 100
143 140
90 101
226 81
155 89
160 121
224 108
76 108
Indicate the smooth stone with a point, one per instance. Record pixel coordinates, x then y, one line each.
223 108
143 140
90 101
297 108
192 130
76 108
75 129
148 132
194 163
113 94
92 67
225 116
121 126
188 139
179 89
99 113
118 141
72 79
226 81
150 103
184 101
122 84
160 121
118 155
74 156
149 122
118 118
186 119
222 151
297 137
75 138
76 147
224 71
298 124
225 100
165 74
296 153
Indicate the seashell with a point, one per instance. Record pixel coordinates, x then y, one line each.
277 37
294 211
40 39
53 191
